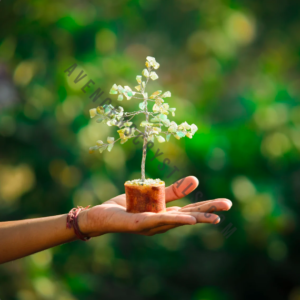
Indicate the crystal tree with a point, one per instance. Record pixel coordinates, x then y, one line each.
115 116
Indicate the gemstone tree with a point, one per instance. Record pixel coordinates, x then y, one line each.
154 121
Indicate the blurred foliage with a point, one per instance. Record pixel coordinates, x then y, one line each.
233 69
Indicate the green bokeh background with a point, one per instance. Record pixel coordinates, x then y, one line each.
233 70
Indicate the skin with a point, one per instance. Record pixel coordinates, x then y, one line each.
25 237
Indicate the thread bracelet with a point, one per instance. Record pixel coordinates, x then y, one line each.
72 221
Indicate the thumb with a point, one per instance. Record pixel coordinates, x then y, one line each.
181 188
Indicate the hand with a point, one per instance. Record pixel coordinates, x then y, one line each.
111 216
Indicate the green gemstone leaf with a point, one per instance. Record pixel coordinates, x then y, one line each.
151 59
100 110
142 105
113 89
155 94
144 123
156 65
109 147
111 122
110 139
160 139
100 120
139 79
166 94
173 127
151 138
145 73
93 112
180 133
101 149
155 120
107 109
166 122
194 128
127 124
153 76
159 101
163 117
113 92
120 97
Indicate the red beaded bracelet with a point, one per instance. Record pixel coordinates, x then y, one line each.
72 221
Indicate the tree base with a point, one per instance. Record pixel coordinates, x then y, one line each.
149 197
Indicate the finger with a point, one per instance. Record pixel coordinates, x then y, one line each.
150 221
201 217
173 208
161 229
207 201
205 217
216 205
181 188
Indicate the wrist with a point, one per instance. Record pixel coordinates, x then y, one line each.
83 222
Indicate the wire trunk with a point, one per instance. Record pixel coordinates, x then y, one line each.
144 156
145 134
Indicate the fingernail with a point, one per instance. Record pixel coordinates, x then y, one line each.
217 220
230 202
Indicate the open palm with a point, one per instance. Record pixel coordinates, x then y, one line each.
111 216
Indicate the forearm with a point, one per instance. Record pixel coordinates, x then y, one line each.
21 238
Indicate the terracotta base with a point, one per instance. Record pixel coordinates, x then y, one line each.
149 198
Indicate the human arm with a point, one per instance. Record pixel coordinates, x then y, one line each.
25 237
